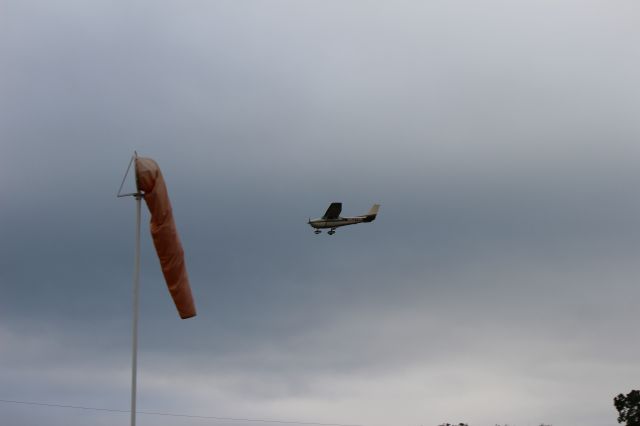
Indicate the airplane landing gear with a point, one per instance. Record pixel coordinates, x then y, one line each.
317 231
333 231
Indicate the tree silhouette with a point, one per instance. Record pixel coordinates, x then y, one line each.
628 407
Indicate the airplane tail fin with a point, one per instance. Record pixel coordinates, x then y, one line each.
373 212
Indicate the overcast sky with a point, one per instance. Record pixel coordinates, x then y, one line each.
499 283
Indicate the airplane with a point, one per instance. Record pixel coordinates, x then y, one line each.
332 219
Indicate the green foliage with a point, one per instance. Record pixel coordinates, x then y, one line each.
628 407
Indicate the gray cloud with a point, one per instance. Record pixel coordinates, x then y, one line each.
497 284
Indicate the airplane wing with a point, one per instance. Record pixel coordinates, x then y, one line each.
333 212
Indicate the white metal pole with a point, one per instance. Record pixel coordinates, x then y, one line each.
136 295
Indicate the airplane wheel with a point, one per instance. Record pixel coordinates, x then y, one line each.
317 231
331 232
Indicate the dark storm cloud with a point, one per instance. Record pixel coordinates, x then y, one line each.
500 139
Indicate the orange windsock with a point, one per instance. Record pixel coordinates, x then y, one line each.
165 236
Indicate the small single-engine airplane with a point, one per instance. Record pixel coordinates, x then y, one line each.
332 219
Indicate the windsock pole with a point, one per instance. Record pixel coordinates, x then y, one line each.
136 292
136 309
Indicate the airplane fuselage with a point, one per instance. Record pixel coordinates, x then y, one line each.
336 223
